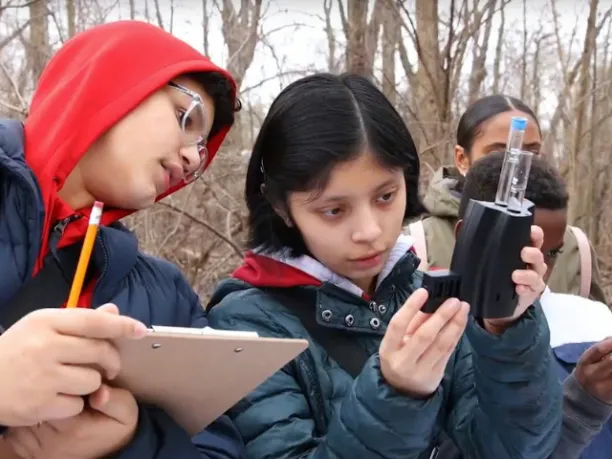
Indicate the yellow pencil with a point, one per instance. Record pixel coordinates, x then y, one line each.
88 244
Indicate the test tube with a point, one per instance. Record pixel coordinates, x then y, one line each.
519 182
514 164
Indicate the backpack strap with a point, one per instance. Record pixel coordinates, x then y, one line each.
417 231
49 288
339 345
584 249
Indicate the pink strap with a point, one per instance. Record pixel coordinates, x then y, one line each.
417 231
585 261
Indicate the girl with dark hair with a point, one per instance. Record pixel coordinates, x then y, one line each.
483 129
484 126
332 177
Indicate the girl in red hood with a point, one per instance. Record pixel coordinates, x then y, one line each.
331 180
126 114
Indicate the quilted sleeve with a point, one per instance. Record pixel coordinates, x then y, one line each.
506 398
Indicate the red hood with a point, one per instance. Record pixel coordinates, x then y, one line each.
263 271
91 83
274 270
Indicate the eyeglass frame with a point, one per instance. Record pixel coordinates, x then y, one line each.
200 143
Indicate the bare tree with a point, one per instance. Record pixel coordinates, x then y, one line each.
525 54
447 60
576 205
361 35
569 74
391 34
432 83
241 33
158 14
332 43
39 47
498 50
356 54
479 53
205 27
71 17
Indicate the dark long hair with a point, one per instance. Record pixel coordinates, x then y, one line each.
481 111
314 124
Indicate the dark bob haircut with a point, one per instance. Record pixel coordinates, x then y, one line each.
481 111
314 124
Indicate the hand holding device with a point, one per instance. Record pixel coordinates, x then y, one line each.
491 241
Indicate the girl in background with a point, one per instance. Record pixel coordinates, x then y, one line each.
483 129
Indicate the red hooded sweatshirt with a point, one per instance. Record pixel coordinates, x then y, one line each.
90 84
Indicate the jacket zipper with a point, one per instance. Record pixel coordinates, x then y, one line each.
60 226
58 230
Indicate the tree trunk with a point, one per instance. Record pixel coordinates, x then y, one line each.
479 58
240 30
361 35
576 159
132 10
524 54
158 15
356 61
71 17
39 49
429 80
498 51
332 43
389 44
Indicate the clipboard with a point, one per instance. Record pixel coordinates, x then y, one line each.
196 375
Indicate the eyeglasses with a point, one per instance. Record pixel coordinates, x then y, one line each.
193 126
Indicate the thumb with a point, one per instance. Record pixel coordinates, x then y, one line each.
134 329
118 404
109 308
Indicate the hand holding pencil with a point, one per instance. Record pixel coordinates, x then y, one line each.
48 357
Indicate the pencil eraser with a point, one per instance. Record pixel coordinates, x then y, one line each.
96 213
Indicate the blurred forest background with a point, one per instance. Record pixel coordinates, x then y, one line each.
431 58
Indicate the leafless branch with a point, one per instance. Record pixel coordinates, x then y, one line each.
200 222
